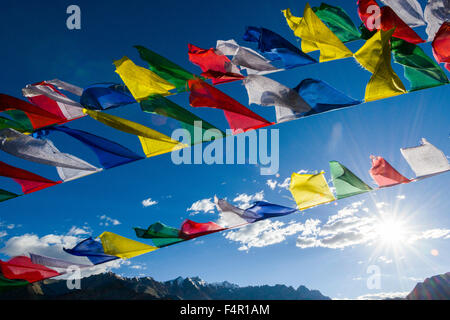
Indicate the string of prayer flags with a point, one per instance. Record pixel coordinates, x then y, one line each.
316 35
91 249
239 117
386 20
214 64
109 153
122 247
338 21
141 82
275 47
191 229
153 142
436 13
345 182
310 190
45 95
21 268
425 159
375 56
384 174
160 234
441 45
6 195
103 96
38 117
267 92
410 11
419 69
246 58
165 68
29 181
322 97
189 121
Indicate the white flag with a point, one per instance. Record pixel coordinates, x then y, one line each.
246 58
43 152
45 96
267 92
436 13
425 159
409 11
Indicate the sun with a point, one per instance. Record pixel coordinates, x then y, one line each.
391 232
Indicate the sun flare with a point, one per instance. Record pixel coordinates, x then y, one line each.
391 232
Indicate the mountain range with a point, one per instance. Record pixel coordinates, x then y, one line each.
109 286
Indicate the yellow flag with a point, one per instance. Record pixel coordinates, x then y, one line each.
375 56
310 190
153 142
316 35
141 82
122 247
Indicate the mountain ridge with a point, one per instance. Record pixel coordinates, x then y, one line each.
110 286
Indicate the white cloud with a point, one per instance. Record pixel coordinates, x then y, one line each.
106 221
381 205
436 233
3 234
149 202
385 259
244 200
75 231
383 295
272 184
401 197
267 232
204 205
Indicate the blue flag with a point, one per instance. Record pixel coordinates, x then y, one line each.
275 47
322 97
91 249
109 153
102 96
260 210
266 210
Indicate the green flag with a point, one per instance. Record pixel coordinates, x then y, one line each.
8 123
6 195
165 107
338 21
165 68
160 234
345 182
6 284
19 120
420 70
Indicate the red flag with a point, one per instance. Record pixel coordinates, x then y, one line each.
29 181
38 117
214 66
441 45
387 19
47 97
384 174
191 229
22 268
239 117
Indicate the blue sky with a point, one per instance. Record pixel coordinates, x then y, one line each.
38 46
